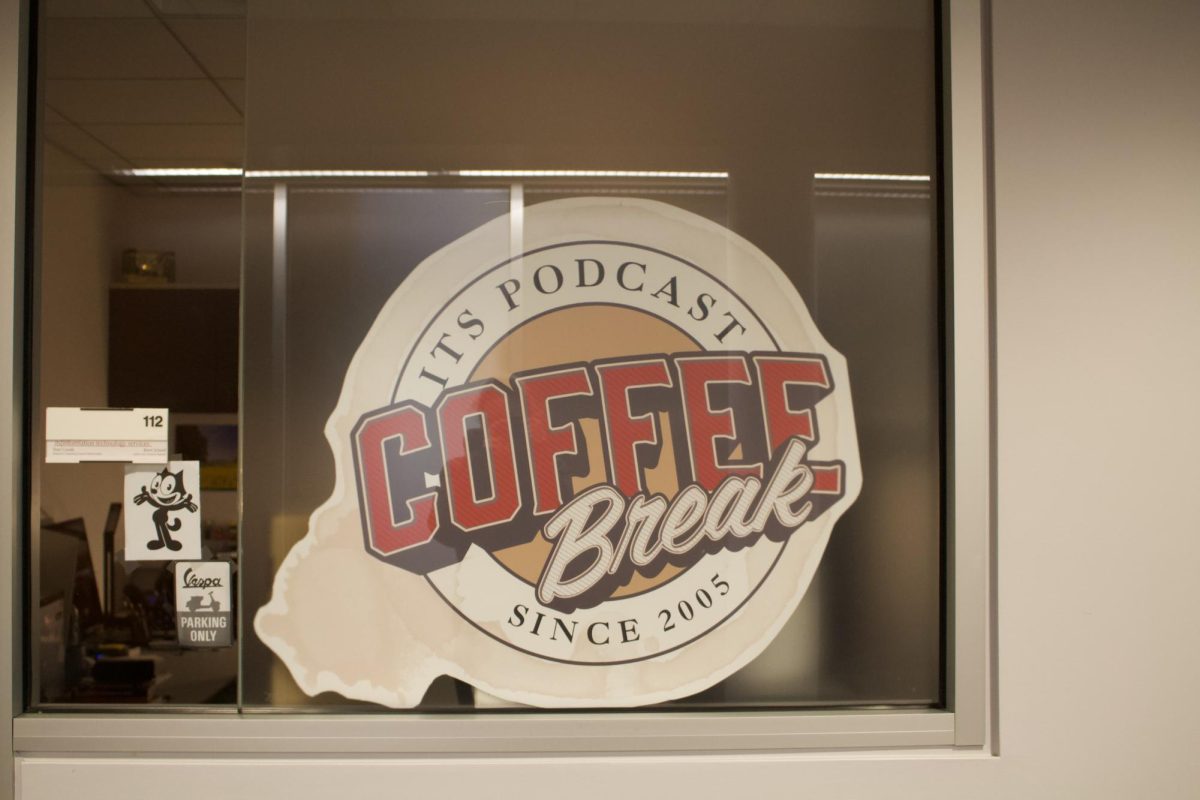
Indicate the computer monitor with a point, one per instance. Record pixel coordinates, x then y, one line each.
69 604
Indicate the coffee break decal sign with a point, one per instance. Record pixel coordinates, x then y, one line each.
598 473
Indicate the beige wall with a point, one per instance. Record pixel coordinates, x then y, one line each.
1097 162
77 253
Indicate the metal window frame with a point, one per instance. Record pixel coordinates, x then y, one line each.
967 722
13 83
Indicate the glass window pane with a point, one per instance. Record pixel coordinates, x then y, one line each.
230 192
772 97
137 304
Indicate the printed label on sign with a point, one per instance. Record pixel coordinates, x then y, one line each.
131 435
203 603
162 511
601 472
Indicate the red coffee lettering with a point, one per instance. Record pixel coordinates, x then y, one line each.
697 374
778 374
624 432
546 441
485 407
392 529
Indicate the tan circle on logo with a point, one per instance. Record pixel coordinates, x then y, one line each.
587 333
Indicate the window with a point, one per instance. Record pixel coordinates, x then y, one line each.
229 195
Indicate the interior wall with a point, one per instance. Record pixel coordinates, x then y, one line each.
1097 198
78 249
203 228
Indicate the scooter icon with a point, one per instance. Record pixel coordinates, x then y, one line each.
196 603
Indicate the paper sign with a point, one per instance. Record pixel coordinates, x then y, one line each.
162 512
135 435
203 604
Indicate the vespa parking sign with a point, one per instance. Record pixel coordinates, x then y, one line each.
203 603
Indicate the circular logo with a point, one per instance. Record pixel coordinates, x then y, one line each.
596 467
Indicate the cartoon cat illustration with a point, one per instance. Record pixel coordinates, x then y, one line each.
167 494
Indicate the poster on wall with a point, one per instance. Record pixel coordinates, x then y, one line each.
596 469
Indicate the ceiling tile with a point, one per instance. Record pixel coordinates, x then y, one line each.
201 8
219 44
690 12
115 48
96 8
141 101
219 145
62 168
79 144
236 89
846 14
474 10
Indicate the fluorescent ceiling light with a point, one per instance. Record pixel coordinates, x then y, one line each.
868 176
338 173
233 172
586 173
181 172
